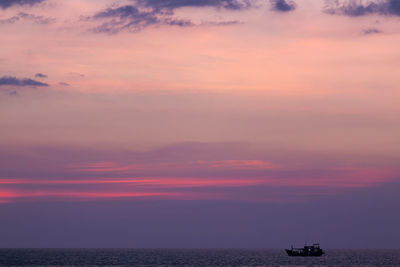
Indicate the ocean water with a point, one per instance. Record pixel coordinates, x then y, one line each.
192 257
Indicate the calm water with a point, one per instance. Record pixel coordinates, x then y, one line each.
189 257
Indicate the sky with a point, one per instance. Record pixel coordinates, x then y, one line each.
199 124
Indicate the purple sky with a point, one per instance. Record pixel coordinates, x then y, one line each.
146 123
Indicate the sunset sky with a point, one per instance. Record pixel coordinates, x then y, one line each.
208 123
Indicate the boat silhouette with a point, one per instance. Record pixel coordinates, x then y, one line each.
306 251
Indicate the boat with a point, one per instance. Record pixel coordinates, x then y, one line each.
306 251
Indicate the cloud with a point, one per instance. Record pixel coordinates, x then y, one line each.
40 20
13 93
131 18
144 13
76 74
13 81
174 4
11 20
222 23
371 31
8 3
283 5
220 169
40 75
64 84
355 8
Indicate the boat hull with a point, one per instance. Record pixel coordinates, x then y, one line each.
303 253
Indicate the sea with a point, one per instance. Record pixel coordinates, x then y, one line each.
192 257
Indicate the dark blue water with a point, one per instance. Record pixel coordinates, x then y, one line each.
192 257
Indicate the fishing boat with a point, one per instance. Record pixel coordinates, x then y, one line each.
307 251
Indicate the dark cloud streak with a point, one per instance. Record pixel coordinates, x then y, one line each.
40 75
8 3
370 31
174 4
283 5
13 81
131 18
13 93
39 20
143 13
354 8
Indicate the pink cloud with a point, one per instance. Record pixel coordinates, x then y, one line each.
6 194
186 188
151 181
115 167
121 193
104 167
241 164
